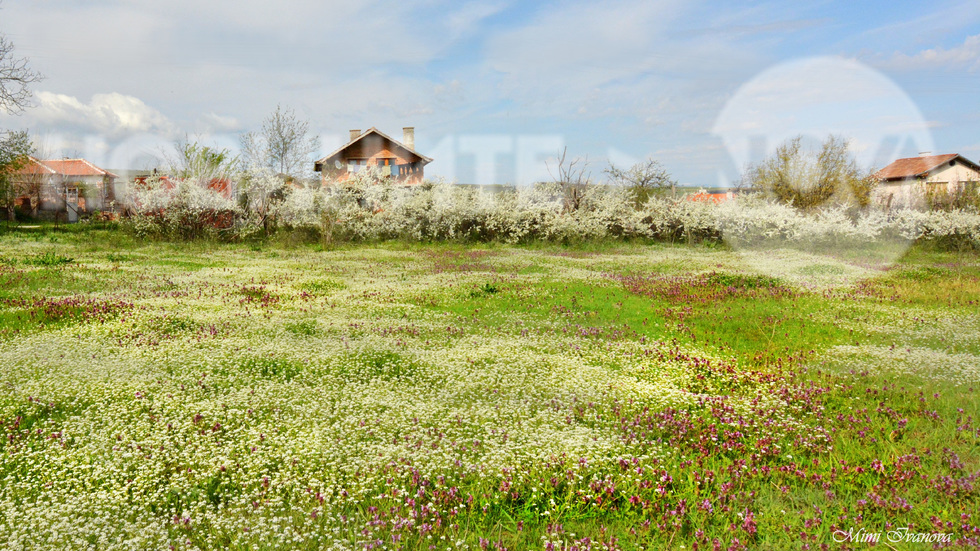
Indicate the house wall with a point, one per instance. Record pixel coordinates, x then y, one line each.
120 194
955 174
909 193
912 193
374 148
91 194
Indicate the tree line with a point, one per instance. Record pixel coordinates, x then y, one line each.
794 175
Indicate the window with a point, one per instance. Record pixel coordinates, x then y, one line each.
355 165
385 164
405 169
71 194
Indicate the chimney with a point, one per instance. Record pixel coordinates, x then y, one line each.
408 137
925 153
355 133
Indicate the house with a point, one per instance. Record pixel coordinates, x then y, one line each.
373 148
65 188
905 182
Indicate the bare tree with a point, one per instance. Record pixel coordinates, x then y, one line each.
642 179
15 147
569 171
572 176
284 145
15 76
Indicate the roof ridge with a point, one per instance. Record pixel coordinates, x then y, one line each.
85 162
928 156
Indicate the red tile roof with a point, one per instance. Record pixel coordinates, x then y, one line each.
912 167
77 167
34 167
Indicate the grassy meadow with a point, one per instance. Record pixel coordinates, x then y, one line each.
437 397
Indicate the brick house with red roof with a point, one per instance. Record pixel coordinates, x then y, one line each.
65 188
905 182
373 148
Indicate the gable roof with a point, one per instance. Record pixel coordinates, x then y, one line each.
318 164
76 167
34 167
917 167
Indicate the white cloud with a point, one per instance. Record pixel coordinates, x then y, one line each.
213 122
626 59
113 115
816 97
965 56
467 17
588 43
330 60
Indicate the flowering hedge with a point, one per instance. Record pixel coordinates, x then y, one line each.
367 207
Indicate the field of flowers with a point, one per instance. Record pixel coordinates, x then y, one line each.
393 396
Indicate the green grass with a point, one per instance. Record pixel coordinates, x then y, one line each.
48 259
756 332
604 396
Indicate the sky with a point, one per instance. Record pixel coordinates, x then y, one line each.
496 88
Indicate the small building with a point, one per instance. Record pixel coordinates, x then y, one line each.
64 188
374 148
906 182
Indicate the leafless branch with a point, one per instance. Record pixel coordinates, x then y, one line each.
573 176
15 76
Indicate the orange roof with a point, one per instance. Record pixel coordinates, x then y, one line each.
77 167
715 197
913 167
34 167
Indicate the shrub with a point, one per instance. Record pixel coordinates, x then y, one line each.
48 259
369 207
960 197
810 180
190 208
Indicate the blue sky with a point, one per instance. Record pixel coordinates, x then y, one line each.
493 87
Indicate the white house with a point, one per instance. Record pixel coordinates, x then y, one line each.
906 182
65 187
